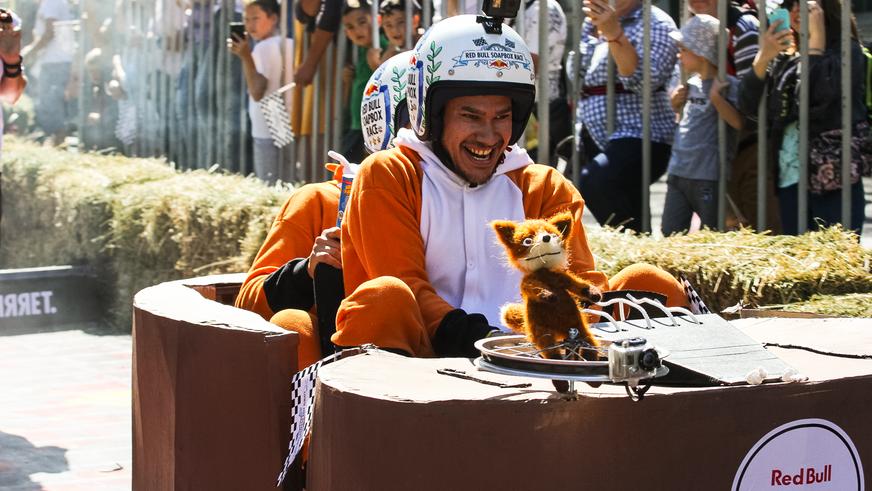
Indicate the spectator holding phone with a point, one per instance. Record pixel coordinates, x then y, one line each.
611 181
775 72
263 67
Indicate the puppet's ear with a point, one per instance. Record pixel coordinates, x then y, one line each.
505 231
563 222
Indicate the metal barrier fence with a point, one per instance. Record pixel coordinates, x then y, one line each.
190 96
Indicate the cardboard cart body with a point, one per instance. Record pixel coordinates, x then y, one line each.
212 411
211 390
382 421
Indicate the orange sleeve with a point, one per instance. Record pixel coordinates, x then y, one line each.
381 233
308 212
547 192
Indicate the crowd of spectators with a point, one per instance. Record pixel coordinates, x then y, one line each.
198 79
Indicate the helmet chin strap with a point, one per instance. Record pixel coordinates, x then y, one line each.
444 156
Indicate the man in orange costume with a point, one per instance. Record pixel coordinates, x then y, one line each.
423 272
279 285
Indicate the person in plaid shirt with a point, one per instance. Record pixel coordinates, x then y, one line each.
611 181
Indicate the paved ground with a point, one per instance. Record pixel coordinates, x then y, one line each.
65 404
65 412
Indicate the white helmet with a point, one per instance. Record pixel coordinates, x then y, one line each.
383 110
457 57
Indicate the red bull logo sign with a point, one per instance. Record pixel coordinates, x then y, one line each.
804 454
495 56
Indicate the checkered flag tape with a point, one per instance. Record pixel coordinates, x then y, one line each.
303 401
126 127
697 306
275 113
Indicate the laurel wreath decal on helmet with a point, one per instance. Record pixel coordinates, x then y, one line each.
399 79
433 66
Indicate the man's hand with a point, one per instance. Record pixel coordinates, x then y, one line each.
239 47
304 74
10 40
773 43
604 17
113 90
347 75
326 250
678 98
817 31
717 90
373 57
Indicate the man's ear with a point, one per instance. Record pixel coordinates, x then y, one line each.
563 222
505 231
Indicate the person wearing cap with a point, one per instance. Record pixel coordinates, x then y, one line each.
742 46
611 180
423 272
694 168
279 284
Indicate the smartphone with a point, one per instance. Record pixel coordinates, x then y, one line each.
782 15
237 30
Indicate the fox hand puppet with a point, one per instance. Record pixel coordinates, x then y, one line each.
551 293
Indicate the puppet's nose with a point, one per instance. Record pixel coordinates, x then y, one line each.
546 238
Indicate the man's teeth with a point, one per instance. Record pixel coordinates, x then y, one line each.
479 154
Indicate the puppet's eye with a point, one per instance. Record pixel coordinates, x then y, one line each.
527 242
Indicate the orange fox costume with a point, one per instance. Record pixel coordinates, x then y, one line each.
309 211
390 299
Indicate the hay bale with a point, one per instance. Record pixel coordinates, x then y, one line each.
850 305
136 222
192 224
58 204
743 266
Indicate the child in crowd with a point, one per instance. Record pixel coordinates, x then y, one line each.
694 164
265 72
101 102
357 21
392 18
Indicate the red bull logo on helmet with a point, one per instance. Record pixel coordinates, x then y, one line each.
496 56
376 118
